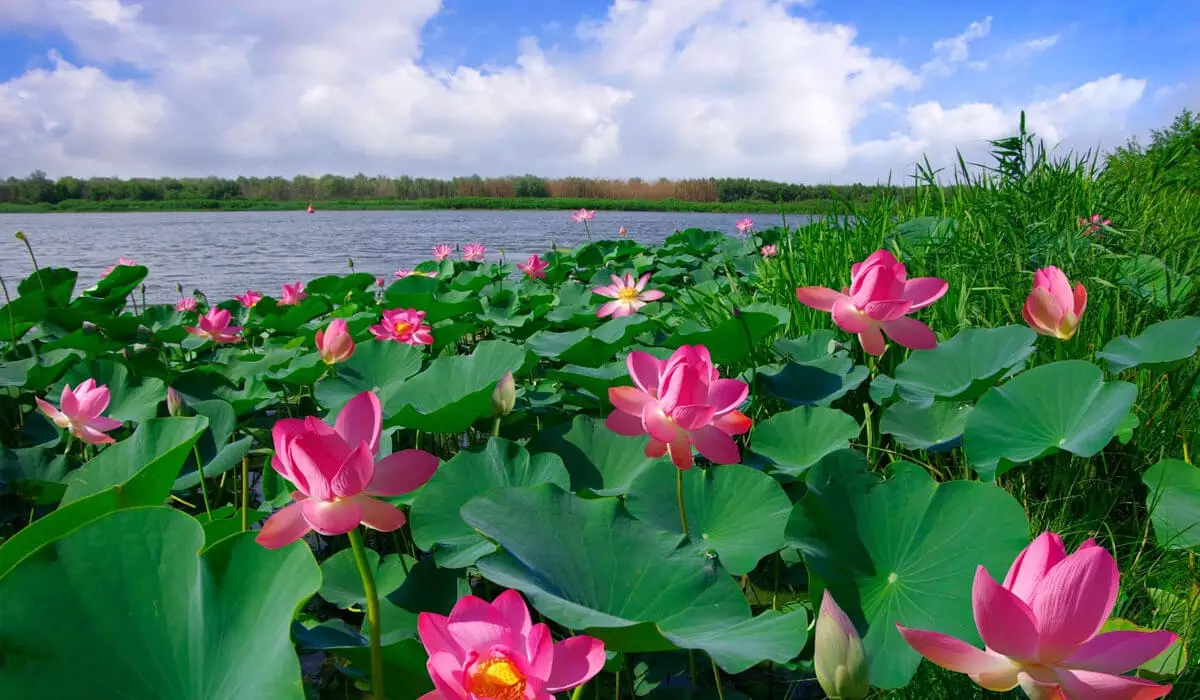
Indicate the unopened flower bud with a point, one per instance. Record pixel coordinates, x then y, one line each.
839 657
504 398
175 402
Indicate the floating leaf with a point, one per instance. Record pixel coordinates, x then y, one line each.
965 366
598 459
125 605
904 551
797 439
1060 406
933 428
1174 503
1159 346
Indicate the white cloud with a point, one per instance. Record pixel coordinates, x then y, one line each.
1032 47
954 50
660 87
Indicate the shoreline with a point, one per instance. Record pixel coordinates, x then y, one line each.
812 206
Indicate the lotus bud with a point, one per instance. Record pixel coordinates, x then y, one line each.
350 262
21 236
840 660
175 402
504 398
179 287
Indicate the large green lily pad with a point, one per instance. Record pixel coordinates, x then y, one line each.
731 340
377 365
1060 406
598 459
904 551
341 583
131 398
1174 503
965 366
736 511
1159 346
436 522
125 605
797 439
936 427
589 565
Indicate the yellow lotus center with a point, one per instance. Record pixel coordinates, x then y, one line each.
627 294
401 327
497 679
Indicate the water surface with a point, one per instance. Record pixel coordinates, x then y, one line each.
225 253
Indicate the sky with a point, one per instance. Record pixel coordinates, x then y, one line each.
810 91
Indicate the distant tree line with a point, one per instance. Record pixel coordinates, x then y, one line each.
37 188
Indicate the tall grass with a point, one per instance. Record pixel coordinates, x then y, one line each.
990 232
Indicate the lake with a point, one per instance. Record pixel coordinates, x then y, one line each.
226 253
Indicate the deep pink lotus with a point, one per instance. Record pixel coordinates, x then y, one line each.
583 215
186 304
79 412
214 326
334 342
769 251
474 252
534 267
403 326
249 299
125 262
627 295
441 252
878 301
1041 630
379 282
681 401
744 225
292 294
336 476
1053 308
1094 224
493 651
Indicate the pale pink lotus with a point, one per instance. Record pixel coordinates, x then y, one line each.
334 342
402 273
474 252
681 401
186 304
1041 630
441 252
214 326
769 251
292 294
249 299
79 412
1053 308
838 654
493 651
622 232
744 225
1094 224
336 475
583 215
878 301
627 295
403 326
534 267
126 262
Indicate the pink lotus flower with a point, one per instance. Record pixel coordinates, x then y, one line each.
334 342
628 296
80 412
402 273
292 294
1042 627
534 267
473 252
494 651
622 233
249 299
879 298
403 326
441 252
379 282
583 215
127 262
838 654
681 401
1093 224
186 304
769 251
214 326
744 225
1052 308
336 475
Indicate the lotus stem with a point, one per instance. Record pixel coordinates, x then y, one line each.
245 492
717 678
578 692
496 426
368 579
12 324
37 272
203 487
679 497
587 230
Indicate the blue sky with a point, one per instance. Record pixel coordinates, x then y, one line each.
1091 72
